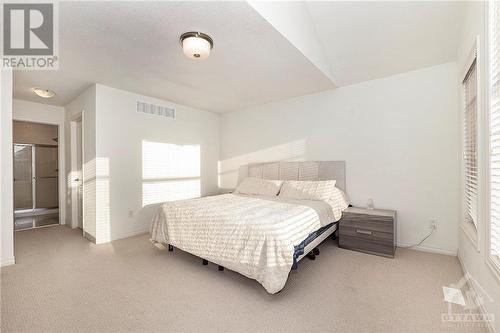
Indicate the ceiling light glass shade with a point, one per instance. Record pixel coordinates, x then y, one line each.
196 45
44 93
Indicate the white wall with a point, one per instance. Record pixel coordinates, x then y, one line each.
473 255
83 106
396 134
46 114
120 133
6 171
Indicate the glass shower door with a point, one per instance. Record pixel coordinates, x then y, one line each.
23 182
46 179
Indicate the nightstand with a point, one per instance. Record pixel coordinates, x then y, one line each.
368 230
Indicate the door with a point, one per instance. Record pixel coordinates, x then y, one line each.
79 173
23 182
46 178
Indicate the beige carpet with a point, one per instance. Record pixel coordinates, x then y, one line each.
64 283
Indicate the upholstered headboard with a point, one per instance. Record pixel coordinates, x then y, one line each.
308 170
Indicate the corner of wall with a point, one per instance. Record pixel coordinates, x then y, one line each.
6 170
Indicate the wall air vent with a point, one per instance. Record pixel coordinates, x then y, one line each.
156 110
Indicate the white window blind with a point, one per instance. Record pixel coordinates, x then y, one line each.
494 94
470 144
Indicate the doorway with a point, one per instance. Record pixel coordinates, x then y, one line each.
36 175
77 173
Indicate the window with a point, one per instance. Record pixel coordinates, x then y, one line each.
494 105
470 143
170 172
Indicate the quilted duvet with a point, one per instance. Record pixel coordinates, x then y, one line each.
252 235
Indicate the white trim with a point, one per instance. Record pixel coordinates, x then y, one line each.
491 328
6 169
470 232
72 190
8 262
71 121
494 265
73 168
430 249
473 55
482 141
491 261
126 234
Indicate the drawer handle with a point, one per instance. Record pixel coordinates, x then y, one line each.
364 232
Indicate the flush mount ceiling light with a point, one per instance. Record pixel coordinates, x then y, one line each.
44 93
196 45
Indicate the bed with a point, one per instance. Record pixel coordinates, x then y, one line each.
261 237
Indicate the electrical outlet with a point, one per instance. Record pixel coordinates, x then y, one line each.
434 224
130 213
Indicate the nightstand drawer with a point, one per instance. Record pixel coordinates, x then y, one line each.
368 222
368 230
367 246
363 232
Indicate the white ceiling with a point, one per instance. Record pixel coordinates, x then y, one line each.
368 40
134 46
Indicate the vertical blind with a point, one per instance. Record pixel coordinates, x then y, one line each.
495 127
470 144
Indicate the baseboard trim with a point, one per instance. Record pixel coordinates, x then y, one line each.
123 235
89 237
430 249
491 328
7 262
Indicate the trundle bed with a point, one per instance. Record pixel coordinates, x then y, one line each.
262 237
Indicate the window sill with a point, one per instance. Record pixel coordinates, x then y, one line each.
493 263
471 232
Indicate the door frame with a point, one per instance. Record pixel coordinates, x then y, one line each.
30 210
74 168
60 161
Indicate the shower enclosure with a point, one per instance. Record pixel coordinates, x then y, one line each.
36 196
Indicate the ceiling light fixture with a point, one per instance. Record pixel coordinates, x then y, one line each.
44 93
196 45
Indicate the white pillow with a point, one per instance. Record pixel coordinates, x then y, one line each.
308 190
338 202
251 185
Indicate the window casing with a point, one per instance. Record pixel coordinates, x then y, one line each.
470 135
494 116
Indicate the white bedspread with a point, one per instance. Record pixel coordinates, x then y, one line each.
252 235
